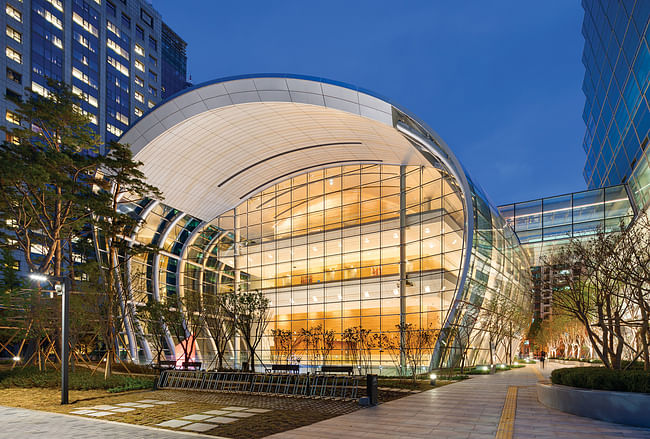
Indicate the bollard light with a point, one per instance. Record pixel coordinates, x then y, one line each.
432 379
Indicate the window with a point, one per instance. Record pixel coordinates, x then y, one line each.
139 50
117 49
92 100
12 117
12 139
148 19
14 76
110 8
153 61
139 97
153 44
14 13
151 104
39 89
13 96
50 17
139 81
83 77
110 26
139 65
138 112
14 55
122 118
85 24
113 130
153 77
126 21
139 32
57 4
153 91
14 34
118 66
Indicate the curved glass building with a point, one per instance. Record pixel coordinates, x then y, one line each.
343 209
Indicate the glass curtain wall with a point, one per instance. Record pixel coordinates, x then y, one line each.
324 247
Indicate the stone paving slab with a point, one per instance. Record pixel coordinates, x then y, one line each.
29 424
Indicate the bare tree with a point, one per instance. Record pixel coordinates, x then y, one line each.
250 311
219 324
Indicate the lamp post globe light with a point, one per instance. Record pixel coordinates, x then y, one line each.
66 287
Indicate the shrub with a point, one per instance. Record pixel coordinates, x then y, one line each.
600 378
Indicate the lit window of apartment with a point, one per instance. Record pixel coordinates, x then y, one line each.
57 42
99 2
39 89
113 130
151 104
85 24
83 41
138 112
58 4
139 50
118 66
14 34
122 118
139 65
117 48
50 17
14 13
139 81
14 55
153 77
92 100
153 91
139 97
83 77
153 61
14 76
12 117
113 28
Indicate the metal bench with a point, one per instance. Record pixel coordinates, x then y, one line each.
337 369
293 368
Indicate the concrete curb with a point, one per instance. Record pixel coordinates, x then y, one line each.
620 407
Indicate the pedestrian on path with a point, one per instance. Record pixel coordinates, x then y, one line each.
542 357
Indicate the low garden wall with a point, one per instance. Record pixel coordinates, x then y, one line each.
621 407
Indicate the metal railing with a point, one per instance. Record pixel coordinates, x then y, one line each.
339 387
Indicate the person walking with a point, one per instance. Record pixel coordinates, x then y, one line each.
542 357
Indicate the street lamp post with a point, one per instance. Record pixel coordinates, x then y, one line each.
66 287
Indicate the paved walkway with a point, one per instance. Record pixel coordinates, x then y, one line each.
469 409
23 423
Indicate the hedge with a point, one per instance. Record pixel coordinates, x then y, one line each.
80 379
600 378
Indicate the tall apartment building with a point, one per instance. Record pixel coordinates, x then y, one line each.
114 54
617 71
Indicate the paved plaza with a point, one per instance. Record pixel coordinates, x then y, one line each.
468 409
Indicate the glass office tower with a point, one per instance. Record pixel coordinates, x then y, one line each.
109 51
342 209
617 62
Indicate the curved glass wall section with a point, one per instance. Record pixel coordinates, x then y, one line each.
325 248
499 273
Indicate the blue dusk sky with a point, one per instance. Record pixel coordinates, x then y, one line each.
500 81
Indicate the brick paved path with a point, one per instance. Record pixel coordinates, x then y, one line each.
469 409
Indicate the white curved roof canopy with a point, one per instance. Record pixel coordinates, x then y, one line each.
209 148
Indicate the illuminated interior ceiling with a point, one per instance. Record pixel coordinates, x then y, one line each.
210 148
